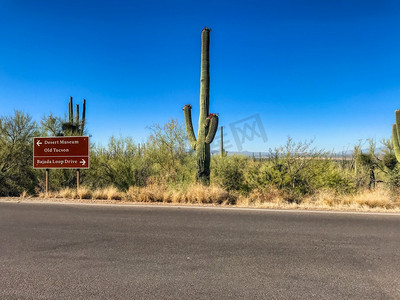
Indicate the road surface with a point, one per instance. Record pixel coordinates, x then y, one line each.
53 251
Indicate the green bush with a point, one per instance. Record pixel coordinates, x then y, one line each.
16 151
162 159
297 170
121 164
228 172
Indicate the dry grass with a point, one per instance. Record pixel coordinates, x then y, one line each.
327 198
99 194
84 193
150 193
377 200
108 193
47 195
196 194
25 195
269 198
259 198
132 194
67 193
113 193
153 193
205 195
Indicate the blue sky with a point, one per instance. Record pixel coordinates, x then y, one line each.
323 70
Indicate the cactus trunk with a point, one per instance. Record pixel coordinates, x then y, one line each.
208 123
203 149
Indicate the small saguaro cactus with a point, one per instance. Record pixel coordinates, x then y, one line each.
222 151
208 123
74 127
396 135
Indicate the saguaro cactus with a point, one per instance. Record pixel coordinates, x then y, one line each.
208 123
75 127
396 135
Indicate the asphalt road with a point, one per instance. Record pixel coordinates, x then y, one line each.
113 252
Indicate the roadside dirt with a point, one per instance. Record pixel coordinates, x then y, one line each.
265 206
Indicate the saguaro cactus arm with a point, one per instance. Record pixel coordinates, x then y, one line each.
83 116
212 128
187 111
396 135
77 114
70 111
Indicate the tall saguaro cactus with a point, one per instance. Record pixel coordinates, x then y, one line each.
396 135
208 123
75 127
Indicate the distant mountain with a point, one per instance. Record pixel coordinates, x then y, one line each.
338 155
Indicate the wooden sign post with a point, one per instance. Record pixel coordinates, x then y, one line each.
67 152
47 181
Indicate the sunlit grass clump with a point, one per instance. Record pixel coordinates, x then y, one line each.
84 192
67 193
108 193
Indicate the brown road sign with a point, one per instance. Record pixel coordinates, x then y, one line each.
67 152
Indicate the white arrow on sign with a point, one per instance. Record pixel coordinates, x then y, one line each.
38 143
83 162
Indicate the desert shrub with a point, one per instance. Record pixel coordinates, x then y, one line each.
375 166
121 164
388 160
297 170
163 159
291 168
393 179
332 177
59 179
51 126
167 150
228 172
251 175
16 172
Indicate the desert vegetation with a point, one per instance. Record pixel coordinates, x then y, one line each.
175 166
163 169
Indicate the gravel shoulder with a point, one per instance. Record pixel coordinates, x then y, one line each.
271 206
